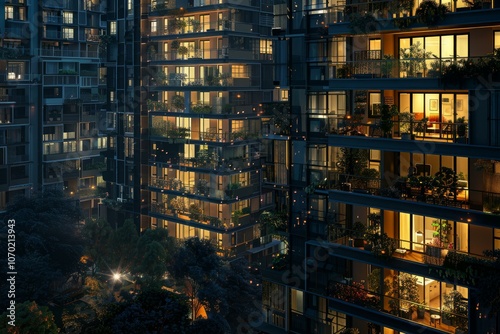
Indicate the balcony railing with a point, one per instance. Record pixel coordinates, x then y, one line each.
429 130
66 53
461 196
224 53
380 10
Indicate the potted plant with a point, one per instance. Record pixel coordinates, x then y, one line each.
441 230
406 125
177 205
421 311
455 310
387 112
178 102
403 290
194 212
430 13
386 66
358 233
182 51
196 24
461 128
413 60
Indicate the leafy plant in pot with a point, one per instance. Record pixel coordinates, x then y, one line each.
406 120
387 112
461 127
455 311
358 233
413 60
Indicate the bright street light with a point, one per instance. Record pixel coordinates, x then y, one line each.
117 276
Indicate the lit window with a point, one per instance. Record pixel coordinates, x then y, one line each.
68 18
9 12
112 28
266 46
497 40
129 5
153 26
112 96
68 33
239 71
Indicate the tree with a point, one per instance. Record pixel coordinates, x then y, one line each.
153 311
30 318
97 234
226 290
154 252
48 243
124 243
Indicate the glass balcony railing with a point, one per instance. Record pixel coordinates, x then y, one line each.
430 130
176 185
196 54
223 137
381 10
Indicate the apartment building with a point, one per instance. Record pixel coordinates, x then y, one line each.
207 70
394 161
53 98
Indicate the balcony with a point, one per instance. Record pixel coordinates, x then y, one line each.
429 129
66 53
13 53
205 54
231 193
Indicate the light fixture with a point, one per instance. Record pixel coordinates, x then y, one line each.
419 233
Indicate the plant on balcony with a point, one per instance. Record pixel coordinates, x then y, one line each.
346 71
151 52
362 24
177 204
235 217
382 245
403 290
195 212
182 51
351 161
196 24
175 44
202 187
404 7
430 13
444 183
455 310
215 222
272 222
373 280
358 233
160 77
177 102
224 77
176 25
201 109
442 230
278 113
386 112
461 127
386 66
413 60
406 120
